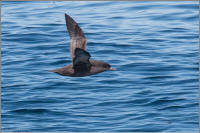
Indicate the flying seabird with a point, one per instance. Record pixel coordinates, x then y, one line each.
81 65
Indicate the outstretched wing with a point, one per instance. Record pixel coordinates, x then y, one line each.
81 63
77 38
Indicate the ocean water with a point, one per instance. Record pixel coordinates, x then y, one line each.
153 45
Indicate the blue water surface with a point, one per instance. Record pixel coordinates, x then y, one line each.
153 45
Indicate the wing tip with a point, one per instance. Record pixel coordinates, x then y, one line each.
67 17
51 70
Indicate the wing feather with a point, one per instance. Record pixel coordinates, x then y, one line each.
81 63
77 37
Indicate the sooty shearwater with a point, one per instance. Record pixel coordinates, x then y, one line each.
81 65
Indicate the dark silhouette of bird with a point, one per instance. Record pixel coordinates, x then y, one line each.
81 65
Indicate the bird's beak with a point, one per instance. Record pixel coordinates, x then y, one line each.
113 69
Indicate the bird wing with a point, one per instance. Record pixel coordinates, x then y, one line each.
81 61
77 37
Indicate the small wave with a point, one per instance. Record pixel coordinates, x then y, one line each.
30 111
174 107
163 101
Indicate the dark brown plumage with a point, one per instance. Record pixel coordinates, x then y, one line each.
81 65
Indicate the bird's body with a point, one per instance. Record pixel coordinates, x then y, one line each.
96 67
81 65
